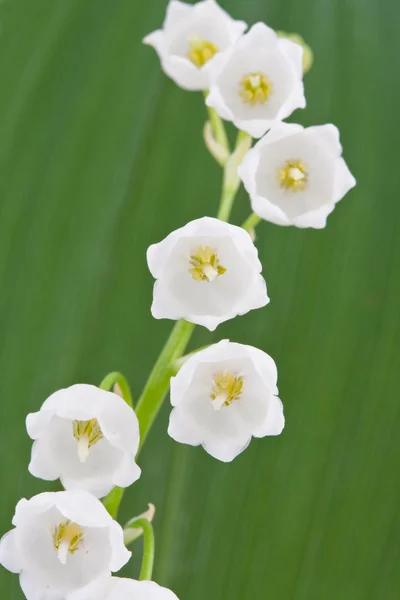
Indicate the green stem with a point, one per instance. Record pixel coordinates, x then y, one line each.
217 126
230 186
117 378
157 385
251 222
113 500
148 548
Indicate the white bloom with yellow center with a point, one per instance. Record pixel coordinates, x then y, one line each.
190 38
206 272
222 397
258 81
63 542
119 588
295 176
87 437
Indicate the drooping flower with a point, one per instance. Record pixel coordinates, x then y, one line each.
190 38
257 82
119 588
63 542
206 272
224 395
87 437
295 176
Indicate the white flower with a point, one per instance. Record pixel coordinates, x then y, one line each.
295 176
128 589
87 437
207 272
223 396
190 38
62 542
257 82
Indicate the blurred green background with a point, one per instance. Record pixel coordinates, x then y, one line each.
101 155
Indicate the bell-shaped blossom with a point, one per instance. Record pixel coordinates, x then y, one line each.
63 542
295 176
206 272
224 395
257 82
190 38
87 437
119 588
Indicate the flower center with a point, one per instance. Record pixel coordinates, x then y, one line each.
205 264
67 539
226 389
200 51
256 88
293 176
87 433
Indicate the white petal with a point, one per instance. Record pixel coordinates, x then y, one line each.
10 556
329 137
124 589
26 510
42 464
177 12
184 429
156 39
37 422
295 54
120 555
82 508
92 591
268 211
34 591
185 74
259 34
344 180
128 473
275 420
315 219
225 450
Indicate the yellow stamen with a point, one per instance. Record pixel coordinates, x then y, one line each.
87 433
205 264
293 176
67 539
226 389
256 88
201 51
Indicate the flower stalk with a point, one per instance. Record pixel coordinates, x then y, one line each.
157 385
146 571
115 380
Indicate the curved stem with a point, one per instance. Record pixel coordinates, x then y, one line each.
148 547
116 378
251 222
157 385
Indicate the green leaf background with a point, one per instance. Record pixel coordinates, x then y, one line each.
101 155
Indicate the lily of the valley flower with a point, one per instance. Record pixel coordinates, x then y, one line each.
295 176
129 589
190 38
63 542
257 82
207 272
224 395
87 437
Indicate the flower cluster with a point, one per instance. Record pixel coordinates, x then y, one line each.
66 545
294 176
